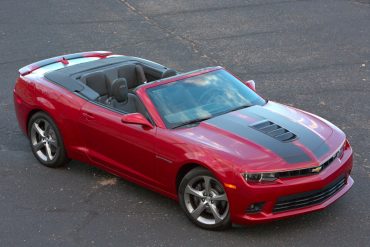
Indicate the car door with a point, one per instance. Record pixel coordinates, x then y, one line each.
127 149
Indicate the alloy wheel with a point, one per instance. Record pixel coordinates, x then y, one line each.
206 200
44 140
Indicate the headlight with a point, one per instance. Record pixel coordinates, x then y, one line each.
261 177
340 152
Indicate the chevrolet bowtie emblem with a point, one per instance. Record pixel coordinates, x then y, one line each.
316 169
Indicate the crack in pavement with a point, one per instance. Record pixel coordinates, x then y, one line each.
240 6
71 22
300 70
244 35
193 44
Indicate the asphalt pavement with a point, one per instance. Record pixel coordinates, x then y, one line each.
314 55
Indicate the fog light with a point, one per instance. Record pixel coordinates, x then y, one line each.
255 208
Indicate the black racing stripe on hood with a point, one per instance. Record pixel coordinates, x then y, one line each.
305 136
287 151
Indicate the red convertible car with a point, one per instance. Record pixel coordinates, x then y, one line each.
203 138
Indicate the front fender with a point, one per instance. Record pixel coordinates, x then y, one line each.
217 163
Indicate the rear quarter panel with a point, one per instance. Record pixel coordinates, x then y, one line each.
23 96
38 94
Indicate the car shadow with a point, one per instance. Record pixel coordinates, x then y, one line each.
171 207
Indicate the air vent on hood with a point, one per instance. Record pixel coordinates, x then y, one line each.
274 130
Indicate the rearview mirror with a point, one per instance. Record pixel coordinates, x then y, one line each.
251 84
136 118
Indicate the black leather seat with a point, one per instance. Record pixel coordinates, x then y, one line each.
125 101
98 82
134 75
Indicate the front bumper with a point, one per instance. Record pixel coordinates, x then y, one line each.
270 194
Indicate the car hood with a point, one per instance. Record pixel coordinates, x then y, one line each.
269 137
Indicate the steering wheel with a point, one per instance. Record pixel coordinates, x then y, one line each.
212 95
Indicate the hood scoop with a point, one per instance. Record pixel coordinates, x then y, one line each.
275 131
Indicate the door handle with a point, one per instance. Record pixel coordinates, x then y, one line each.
88 116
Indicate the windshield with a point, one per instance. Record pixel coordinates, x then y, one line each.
201 97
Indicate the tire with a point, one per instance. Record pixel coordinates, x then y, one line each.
46 141
206 206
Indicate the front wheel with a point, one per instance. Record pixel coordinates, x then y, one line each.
204 200
46 141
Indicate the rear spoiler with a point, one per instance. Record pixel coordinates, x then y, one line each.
63 59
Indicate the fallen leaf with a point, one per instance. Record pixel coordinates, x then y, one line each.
108 181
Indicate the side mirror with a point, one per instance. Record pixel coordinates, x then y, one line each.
136 118
251 84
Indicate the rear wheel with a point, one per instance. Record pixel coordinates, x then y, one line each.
204 200
46 142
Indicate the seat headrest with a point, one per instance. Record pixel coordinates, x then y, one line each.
169 73
120 90
140 75
128 72
97 82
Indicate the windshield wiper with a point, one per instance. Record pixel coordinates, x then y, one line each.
195 121
239 108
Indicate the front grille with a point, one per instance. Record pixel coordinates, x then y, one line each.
308 198
338 154
275 131
312 170
297 173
